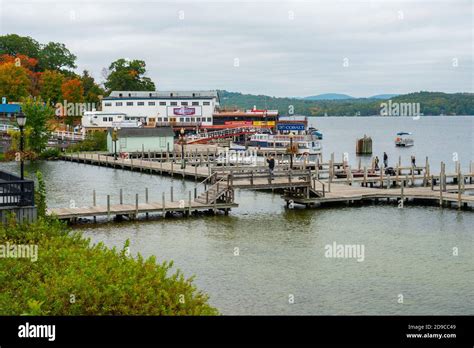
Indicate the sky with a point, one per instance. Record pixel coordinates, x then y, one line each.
277 48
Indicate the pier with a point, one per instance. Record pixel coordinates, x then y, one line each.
307 183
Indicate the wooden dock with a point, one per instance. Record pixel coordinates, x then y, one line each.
310 184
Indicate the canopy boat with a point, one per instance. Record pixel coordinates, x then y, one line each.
404 140
308 144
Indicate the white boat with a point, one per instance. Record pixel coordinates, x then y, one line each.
403 139
308 144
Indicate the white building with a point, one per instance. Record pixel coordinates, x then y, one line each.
179 108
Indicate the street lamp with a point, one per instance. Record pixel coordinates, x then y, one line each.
21 120
182 140
114 139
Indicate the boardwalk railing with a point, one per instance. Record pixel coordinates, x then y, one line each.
15 192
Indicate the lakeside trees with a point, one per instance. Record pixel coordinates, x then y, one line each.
49 71
128 75
431 103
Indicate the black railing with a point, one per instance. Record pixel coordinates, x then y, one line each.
16 192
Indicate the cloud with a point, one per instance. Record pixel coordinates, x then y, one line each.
283 47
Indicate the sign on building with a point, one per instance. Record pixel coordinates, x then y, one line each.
291 127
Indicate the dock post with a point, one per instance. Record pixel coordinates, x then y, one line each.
108 207
146 195
195 173
359 164
399 161
171 193
189 201
93 198
412 175
365 176
163 204
402 199
459 188
172 161
381 176
121 196
136 205
432 183
317 167
195 192
441 186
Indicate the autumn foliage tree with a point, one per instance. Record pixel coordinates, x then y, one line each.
73 91
51 86
14 82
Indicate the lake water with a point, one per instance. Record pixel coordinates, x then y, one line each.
281 252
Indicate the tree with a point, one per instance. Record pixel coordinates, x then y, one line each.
73 91
14 82
127 75
13 45
39 115
55 56
50 86
30 64
91 90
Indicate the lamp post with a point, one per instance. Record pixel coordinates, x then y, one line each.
182 140
21 120
114 139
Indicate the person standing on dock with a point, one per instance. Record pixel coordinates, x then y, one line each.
271 165
376 163
385 160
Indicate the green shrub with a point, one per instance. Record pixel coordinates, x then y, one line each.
73 277
51 153
96 141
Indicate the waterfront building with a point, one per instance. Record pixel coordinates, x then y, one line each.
233 117
180 109
140 140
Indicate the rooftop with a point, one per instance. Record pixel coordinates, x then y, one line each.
163 94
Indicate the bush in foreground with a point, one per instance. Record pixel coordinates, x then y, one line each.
72 277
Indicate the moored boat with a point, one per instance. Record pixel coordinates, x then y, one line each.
403 139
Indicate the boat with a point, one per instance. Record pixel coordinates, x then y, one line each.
304 144
404 140
315 132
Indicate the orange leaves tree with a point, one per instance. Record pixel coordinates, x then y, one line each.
73 91
14 82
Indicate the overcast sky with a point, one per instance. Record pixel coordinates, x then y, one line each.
281 48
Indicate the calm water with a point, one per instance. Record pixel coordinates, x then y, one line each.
281 251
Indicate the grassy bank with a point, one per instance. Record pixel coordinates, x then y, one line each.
73 277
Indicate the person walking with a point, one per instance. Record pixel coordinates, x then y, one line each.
376 162
271 165
385 160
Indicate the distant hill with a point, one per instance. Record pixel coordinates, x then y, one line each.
383 96
328 96
431 103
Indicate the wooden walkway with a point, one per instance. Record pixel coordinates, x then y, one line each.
309 186
350 194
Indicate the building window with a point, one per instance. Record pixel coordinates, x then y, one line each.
198 119
104 119
187 119
163 103
184 103
118 104
195 103
111 119
159 119
209 119
181 119
129 103
206 103
174 103
108 104
140 103
151 103
120 95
